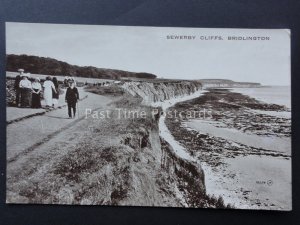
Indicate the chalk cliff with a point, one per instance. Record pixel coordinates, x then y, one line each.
152 92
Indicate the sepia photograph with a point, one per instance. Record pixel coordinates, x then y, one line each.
148 116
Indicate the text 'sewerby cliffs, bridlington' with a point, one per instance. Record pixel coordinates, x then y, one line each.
148 116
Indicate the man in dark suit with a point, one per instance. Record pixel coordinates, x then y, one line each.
72 96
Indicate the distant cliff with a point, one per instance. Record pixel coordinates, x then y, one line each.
221 83
42 65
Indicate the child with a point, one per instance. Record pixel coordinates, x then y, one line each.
72 96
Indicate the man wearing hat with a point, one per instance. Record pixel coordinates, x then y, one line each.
72 96
25 88
17 87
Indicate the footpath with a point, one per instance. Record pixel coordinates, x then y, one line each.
29 128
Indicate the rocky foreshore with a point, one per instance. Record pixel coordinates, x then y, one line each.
243 115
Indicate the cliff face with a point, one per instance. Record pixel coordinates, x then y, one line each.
158 176
178 182
152 92
158 92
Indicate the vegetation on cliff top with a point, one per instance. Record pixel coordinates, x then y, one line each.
42 65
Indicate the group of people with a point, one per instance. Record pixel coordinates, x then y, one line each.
68 80
28 94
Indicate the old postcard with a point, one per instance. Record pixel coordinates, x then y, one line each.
148 116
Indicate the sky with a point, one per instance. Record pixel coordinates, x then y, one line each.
147 49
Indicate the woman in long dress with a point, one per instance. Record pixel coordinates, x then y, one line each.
55 95
48 88
25 88
36 93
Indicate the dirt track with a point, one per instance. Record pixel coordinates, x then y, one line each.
24 135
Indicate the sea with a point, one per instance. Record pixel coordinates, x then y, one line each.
280 95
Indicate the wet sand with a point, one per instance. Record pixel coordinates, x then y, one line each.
219 129
262 181
252 182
